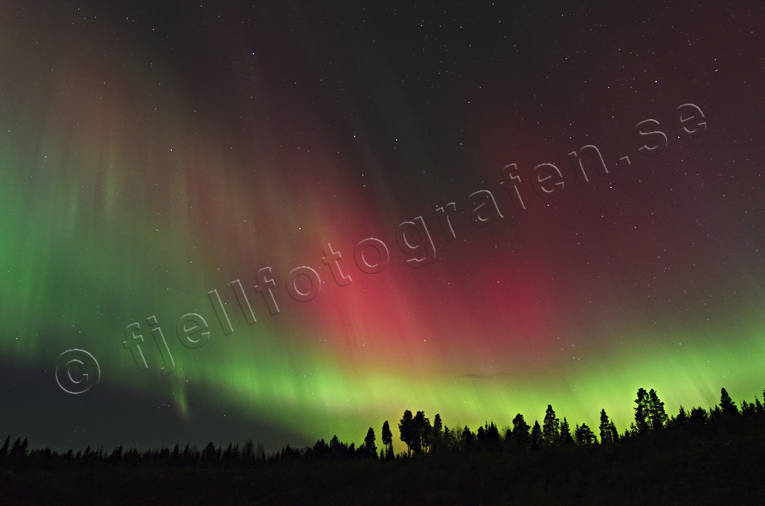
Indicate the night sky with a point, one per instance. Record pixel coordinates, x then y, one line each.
152 153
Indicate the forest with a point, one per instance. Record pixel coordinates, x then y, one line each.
695 456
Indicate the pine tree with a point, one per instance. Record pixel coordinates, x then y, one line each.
448 438
491 436
536 436
387 440
468 438
565 433
698 416
406 430
727 405
210 453
434 434
641 411
606 429
421 427
551 427
584 435
656 414
682 417
369 443
520 431
437 425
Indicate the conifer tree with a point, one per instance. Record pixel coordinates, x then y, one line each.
406 430
536 436
641 411
520 431
698 416
656 415
682 417
437 425
565 433
727 405
387 440
551 427
584 435
369 443
606 429
420 428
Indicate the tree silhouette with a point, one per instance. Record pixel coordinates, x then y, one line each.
682 417
420 427
565 433
727 405
468 439
434 435
715 440
387 440
520 431
656 414
641 410
551 427
536 436
448 439
584 435
488 436
369 443
437 425
210 453
406 430
608 433
698 416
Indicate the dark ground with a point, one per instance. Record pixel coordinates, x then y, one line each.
708 464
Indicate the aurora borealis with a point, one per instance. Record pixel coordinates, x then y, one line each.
152 154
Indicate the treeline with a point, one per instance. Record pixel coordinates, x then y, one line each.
421 437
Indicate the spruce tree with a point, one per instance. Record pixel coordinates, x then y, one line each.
606 429
656 414
536 436
727 405
551 427
565 433
682 417
520 431
584 435
421 427
387 440
641 411
437 425
406 430
369 443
